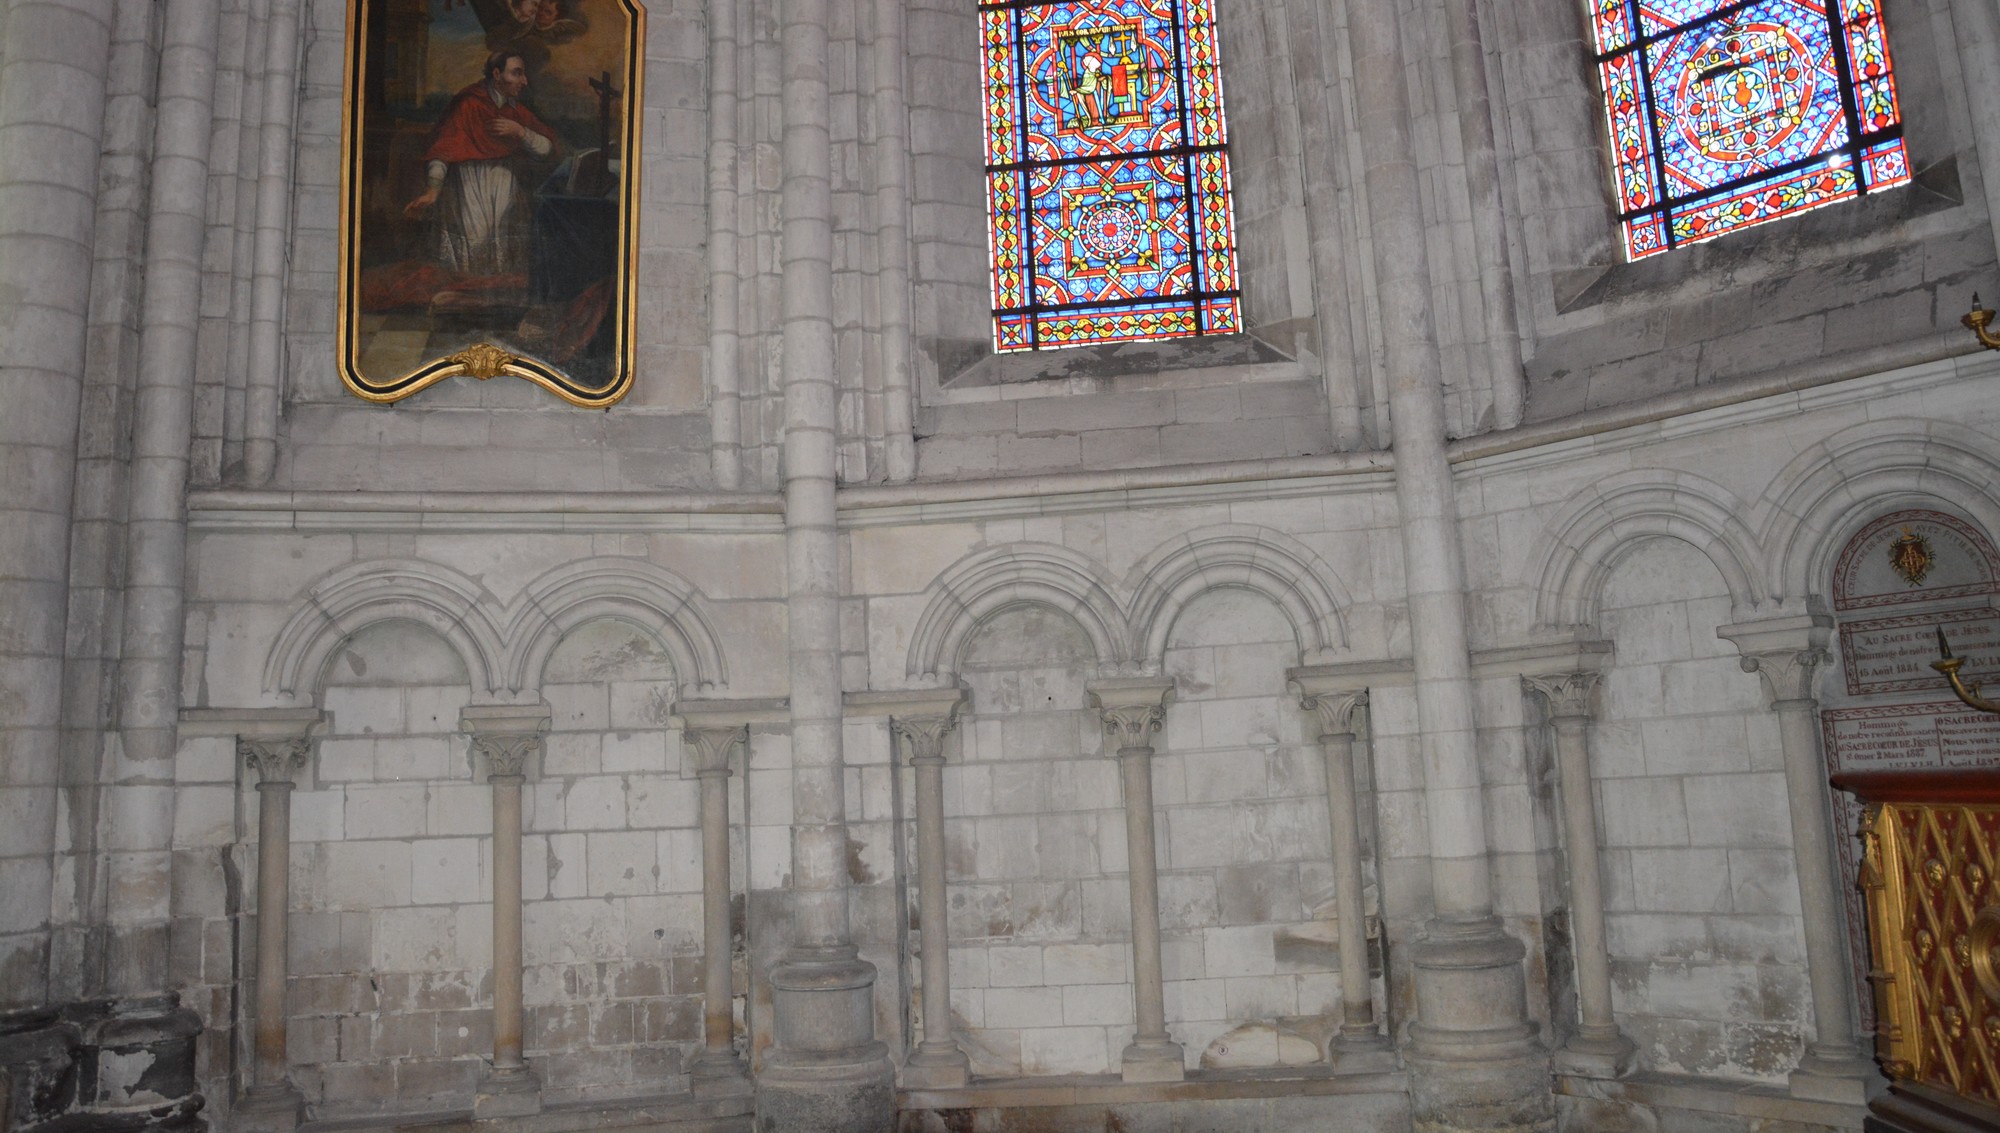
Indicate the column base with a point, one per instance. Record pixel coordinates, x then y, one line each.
946 1069
817 1094
1361 1048
1156 1060
269 1109
719 1074
514 1092
1839 1076
1588 1055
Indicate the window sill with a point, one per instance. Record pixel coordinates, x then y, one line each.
970 372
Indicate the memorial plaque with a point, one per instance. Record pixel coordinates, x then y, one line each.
1895 654
1913 556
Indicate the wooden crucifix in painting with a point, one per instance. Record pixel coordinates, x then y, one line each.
489 194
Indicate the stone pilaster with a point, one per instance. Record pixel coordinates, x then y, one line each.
1133 711
1336 704
1597 1049
1788 653
507 744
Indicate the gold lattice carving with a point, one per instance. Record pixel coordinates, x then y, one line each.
1934 914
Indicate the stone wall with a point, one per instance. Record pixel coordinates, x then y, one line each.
1024 599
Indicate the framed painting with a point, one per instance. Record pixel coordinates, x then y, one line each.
489 195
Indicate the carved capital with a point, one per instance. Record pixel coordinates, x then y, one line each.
1568 694
1786 651
925 735
711 746
275 759
507 754
1335 710
1133 710
506 738
1788 673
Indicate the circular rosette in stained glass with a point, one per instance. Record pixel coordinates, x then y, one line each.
1109 229
1745 92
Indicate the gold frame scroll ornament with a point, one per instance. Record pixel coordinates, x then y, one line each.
540 286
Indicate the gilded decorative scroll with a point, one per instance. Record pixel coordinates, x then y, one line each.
1934 914
489 195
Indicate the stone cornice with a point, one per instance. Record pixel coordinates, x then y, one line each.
758 712
1539 659
249 723
910 703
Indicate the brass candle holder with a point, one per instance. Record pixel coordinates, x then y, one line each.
1946 662
1977 321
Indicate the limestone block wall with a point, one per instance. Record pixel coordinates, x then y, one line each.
1023 600
1703 897
1651 538
392 850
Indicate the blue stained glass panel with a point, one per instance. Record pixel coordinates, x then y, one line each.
1109 215
1725 115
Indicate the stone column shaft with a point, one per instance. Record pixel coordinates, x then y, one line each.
274 863
725 429
825 1071
270 258
1335 714
52 121
1812 824
272 1103
1787 653
938 1062
1597 1048
717 1071
891 111
1471 1042
1133 711
507 922
1482 186
508 741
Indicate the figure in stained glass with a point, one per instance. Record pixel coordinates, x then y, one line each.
1107 177
1724 115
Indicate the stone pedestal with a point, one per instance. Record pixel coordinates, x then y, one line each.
1133 711
1787 653
507 743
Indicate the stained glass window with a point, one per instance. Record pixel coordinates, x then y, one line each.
1725 115
1107 183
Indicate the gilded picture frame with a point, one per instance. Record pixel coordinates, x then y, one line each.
489 204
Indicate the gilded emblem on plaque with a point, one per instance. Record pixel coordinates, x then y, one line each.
1911 556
